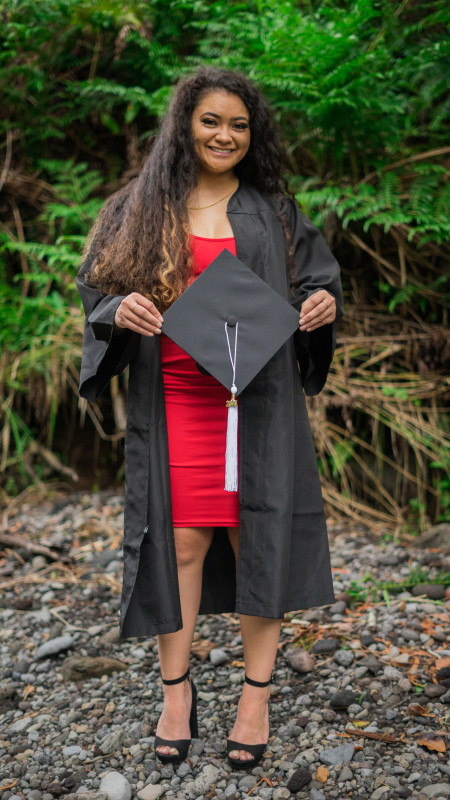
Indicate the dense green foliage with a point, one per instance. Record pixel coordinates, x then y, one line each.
359 92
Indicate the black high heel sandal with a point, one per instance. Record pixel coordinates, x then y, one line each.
182 745
256 750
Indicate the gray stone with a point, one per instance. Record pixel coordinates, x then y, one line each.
300 778
344 657
345 775
112 741
372 664
433 690
392 673
414 777
115 786
151 792
303 700
217 656
86 794
41 615
338 607
316 794
435 591
203 782
437 536
54 646
72 750
343 699
231 790
402 659
436 790
324 646
299 659
410 635
337 755
20 725
379 793
183 770
281 793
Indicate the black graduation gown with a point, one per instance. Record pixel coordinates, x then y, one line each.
284 562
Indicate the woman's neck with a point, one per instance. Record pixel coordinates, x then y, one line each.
213 184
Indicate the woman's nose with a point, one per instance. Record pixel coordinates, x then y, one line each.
223 135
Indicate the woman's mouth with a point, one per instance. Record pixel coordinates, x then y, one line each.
220 151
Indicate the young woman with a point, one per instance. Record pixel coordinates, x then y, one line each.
212 181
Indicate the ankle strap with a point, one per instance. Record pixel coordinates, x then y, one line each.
176 680
258 683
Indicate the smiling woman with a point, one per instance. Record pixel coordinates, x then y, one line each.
212 181
221 135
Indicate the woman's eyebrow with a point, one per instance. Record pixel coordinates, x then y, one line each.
212 114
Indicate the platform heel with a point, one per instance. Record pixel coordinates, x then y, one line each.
182 745
256 750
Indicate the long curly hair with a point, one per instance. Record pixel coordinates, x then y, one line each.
140 240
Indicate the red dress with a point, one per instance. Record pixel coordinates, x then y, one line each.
197 425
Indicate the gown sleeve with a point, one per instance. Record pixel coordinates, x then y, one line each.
315 268
105 353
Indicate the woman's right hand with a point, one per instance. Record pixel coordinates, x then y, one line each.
138 314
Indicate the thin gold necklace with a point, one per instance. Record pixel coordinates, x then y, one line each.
200 208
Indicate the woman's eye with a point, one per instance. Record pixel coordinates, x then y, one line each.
241 127
209 121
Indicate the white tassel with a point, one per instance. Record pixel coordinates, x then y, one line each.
231 455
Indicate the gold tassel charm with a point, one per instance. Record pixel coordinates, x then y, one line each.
232 403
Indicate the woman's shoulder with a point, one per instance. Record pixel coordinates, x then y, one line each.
249 199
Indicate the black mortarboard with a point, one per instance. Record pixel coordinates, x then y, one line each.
227 291
232 323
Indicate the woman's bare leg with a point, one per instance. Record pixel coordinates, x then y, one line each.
260 637
191 545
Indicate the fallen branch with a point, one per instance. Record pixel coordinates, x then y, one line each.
15 540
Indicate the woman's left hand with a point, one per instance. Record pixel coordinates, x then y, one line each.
319 309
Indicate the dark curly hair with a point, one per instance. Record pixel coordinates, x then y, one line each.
140 241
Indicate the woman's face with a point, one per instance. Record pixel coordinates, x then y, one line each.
221 132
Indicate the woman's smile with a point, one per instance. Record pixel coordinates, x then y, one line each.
221 131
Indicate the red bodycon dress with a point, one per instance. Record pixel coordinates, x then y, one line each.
197 425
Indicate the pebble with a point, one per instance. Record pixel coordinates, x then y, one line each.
208 776
343 699
151 792
344 657
436 790
81 726
299 659
115 786
54 646
323 646
300 778
217 656
432 590
337 755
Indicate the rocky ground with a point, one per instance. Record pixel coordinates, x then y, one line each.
360 704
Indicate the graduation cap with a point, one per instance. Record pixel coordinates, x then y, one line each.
231 323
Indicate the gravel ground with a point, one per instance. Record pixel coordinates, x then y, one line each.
78 708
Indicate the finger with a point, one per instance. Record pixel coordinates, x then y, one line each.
139 329
315 312
324 319
320 312
313 301
148 320
137 299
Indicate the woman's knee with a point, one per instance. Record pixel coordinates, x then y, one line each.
191 546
